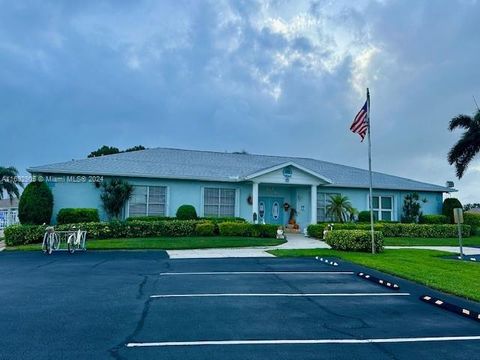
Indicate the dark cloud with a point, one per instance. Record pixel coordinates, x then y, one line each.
272 77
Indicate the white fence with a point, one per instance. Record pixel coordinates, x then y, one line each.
8 217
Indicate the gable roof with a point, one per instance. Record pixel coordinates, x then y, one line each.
218 166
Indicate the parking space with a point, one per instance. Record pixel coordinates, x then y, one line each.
142 305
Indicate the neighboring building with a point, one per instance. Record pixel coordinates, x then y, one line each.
8 212
229 184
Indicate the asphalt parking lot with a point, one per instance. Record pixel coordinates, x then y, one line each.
142 305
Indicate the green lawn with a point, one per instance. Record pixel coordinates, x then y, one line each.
401 241
164 243
422 266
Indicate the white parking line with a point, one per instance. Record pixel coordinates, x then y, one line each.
259 273
306 342
279 295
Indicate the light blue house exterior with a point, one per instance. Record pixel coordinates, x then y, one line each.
231 184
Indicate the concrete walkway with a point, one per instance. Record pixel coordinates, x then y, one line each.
295 241
2 245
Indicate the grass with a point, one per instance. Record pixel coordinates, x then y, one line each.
401 241
166 243
426 267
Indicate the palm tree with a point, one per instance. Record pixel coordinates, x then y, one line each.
339 208
9 182
468 145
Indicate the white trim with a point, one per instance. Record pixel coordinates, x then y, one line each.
236 210
259 273
289 163
202 202
165 296
306 341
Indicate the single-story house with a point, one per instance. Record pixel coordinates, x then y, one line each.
231 184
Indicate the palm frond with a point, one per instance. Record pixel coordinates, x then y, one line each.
464 151
461 121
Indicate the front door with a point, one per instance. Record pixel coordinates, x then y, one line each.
270 210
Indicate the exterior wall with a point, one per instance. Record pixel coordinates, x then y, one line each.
359 199
179 192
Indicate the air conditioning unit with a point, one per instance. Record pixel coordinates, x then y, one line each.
450 184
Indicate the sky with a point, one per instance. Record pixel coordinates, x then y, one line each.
269 77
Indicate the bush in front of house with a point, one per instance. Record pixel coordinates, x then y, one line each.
448 205
27 234
205 229
36 204
247 230
354 240
77 215
473 220
23 234
397 229
434 219
424 230
364 216
186 212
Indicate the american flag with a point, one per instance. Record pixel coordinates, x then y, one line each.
360 123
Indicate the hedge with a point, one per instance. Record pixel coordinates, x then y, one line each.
23 234
27 234
205 229
248 230
77 215
398 229
473 220
354 240
434 219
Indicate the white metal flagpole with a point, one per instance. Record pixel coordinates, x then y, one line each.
370 172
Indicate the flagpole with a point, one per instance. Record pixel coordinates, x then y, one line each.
370 172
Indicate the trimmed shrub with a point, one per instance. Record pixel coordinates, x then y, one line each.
364 216
354 240
205 229
186 212
27 234
77 215
448 205
23 234
424 230
247 230
397 229
434 219
473 220
36 204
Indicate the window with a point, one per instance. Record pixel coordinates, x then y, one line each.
218 202
148 201
322 202
383 208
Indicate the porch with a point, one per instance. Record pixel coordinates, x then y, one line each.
286 195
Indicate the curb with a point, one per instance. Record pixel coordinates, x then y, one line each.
378 281
450 307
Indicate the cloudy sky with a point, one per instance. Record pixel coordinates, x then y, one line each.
268 77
